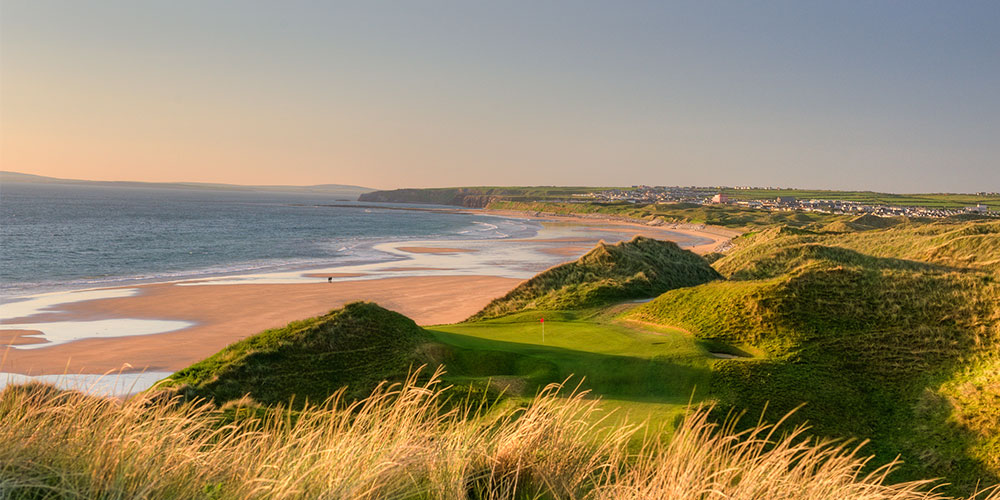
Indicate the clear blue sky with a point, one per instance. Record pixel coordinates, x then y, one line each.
890 96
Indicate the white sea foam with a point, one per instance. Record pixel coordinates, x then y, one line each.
112 384
61 332
487 226
38 304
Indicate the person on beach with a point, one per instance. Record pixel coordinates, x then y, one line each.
330 279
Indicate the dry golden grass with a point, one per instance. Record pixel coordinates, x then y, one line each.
405 441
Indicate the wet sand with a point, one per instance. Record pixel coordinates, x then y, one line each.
408 269
227 313
435 250
19 337
569 251
334 275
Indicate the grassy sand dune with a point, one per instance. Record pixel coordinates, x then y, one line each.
888 334
640 268
356 346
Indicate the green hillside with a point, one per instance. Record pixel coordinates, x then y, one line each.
973 244
938 200
640 268
730 216
477 196
356 346
889 334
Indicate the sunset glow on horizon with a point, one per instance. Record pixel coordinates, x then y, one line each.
897 97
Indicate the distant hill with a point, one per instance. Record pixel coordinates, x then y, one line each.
476 197
481 196
890 334
356 346
640 268
331 189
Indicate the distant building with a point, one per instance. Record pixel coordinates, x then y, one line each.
786 200
979 209
720 198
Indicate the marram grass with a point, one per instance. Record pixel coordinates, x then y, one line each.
405 441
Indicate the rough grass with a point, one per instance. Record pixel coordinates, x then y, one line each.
401 442
969 245
640 268
939 200
881 333
356 346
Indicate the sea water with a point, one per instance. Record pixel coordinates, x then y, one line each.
57 237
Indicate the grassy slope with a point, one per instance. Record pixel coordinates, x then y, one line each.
877 345
640 268
356 346
941 200
716 215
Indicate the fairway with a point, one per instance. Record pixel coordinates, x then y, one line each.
647 375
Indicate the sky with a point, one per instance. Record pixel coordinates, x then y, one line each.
897 96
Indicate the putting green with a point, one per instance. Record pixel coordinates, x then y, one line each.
645 375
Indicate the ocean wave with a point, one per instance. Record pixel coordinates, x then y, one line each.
486 225
213 240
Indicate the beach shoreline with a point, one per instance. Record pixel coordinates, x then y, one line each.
440 282
223 314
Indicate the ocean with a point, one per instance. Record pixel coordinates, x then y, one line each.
56 237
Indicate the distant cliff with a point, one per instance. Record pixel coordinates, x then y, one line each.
463 197
475 197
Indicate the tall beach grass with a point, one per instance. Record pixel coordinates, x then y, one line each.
407 441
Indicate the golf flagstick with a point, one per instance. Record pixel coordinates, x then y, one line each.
543 329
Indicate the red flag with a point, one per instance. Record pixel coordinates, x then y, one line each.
542 320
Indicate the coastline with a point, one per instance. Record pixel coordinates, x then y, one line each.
719 236
223 314
444 281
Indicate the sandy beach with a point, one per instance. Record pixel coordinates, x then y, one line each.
436 284
434 250
226 313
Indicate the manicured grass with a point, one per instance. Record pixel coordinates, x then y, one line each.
648 375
